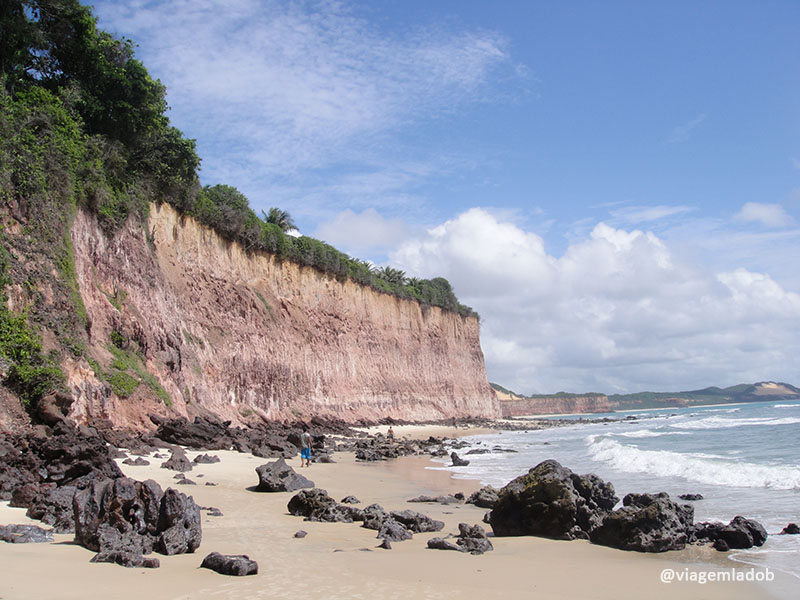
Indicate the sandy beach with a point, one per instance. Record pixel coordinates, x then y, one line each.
340 560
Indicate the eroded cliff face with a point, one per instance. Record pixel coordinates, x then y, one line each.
518 406
244 336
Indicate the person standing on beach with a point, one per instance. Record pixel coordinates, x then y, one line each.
305 447
390 434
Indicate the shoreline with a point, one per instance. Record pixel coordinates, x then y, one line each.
257 524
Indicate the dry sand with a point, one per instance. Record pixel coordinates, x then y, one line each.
340 560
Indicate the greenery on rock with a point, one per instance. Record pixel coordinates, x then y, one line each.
25 369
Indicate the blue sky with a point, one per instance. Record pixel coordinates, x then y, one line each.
614 186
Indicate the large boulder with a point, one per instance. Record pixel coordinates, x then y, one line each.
552 501
279 477
123 518
646 523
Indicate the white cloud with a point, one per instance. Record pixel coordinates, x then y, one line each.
618 311
643 214
685 131
769 215
363 233
279 92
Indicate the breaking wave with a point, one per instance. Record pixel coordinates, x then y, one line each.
693 467
723 423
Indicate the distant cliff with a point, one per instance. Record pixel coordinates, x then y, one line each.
206 327
514 405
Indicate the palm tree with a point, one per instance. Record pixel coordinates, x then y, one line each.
392 275
279 217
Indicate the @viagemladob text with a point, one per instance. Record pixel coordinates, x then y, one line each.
716 576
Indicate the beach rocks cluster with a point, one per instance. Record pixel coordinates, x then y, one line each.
471 539
265 440
646 523
123 519
43 473
316 505
380 447
279 477
739 533
552 501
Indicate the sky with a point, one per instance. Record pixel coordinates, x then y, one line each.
614 187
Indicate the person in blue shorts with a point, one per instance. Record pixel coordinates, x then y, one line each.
305 447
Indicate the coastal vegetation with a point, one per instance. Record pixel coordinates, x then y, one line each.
83 126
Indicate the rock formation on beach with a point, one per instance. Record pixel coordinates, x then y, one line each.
552 501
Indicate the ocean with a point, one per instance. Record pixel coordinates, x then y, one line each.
744 459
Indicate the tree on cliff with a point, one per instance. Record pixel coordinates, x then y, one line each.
281 218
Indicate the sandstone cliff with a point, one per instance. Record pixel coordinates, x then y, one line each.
512 405
244 336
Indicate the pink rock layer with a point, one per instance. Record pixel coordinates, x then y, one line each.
245 336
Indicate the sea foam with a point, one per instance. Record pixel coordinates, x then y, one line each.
702 468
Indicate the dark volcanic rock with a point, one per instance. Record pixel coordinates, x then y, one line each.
738 534
316 505
470 539
350 500
416 522
790 529
206 459
486 497
126 559
70 456
439 543
720 545
54 507
25 534
300 534
552 501
438 499
178 461
280 477
373 517
458 462
646 523
473 539
393 530
134 517
237 564
691 497
136 462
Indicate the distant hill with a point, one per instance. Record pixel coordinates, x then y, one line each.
744 392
